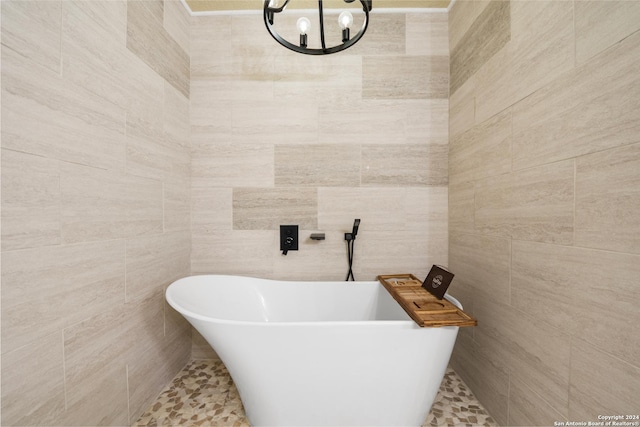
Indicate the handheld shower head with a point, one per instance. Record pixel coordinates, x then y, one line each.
356 224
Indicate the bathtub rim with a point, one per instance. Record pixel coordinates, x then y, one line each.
201 317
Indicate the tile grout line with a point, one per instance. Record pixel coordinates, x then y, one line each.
575 192
64 375
128 395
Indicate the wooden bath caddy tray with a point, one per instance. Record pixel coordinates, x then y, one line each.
424 308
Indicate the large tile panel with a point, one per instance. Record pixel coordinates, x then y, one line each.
268 208
233 164
154 262
427 209
158 143
211 209
608 200
423 209
338 207
601 23
103 355
200 348
427 34
528 408
482 151
309 78
278 122
148 155
590 294
62 284
530 349
176 120
616 383
386 252
404 165
405 77
98 205
108 17
532 204
177 337
177 133
33 28
488 383
73 124
177 23
461 16
30 201
491 335
95 57
542 202
95 367
177 328
489 33
461 207
591 108
144 381
426 121
230 252
386 37
209 39
491 205
149 353
177 206
209 114
383 122
541 47
482 262
254 57
462 107
317 165
147 38
33 383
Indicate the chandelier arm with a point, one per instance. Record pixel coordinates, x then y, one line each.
321 16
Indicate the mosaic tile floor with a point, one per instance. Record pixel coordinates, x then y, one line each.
203 394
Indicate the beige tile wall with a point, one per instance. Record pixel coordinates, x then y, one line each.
95 207
283 138
544 206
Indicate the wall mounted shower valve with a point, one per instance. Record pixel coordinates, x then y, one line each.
288 238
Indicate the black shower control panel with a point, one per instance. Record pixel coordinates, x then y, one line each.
288 238
437 281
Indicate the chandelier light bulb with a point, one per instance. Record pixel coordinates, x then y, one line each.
303 25
345 19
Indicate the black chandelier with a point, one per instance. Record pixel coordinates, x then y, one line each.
345 20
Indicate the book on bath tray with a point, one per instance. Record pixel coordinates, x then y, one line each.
438 281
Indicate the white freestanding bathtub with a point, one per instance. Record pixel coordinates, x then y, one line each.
318 353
